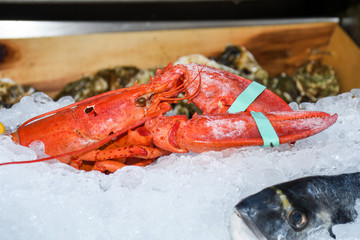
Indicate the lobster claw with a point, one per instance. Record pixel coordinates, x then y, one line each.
214 90
220 131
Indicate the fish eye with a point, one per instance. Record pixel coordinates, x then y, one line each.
140 102
297 219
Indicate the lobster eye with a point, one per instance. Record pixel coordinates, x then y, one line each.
140 102
297 219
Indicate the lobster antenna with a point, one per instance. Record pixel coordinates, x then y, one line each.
199 85
179 88
182 86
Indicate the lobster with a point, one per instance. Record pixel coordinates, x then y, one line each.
128 126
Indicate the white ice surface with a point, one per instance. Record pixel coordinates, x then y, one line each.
181 196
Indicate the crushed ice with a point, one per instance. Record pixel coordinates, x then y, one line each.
181 196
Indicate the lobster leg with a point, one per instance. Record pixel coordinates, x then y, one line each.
110 166
113 166
113 159
135 148
123 153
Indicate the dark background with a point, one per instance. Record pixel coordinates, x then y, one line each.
347 10
171 10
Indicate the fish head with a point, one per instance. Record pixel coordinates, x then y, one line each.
272 214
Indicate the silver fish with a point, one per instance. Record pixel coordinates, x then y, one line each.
297 209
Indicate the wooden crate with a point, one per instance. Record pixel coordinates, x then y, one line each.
50 63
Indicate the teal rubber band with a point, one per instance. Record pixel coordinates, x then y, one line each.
266 130
248 96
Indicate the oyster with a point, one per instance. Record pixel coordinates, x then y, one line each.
315 80
11 92
240 59
103 81
310 82
201 59
285 87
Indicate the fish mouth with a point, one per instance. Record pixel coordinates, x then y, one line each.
243 228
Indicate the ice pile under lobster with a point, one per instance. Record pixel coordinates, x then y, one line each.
128 126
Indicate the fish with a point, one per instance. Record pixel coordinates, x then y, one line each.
297 209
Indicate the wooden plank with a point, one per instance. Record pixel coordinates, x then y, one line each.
285 50
344 57
50 63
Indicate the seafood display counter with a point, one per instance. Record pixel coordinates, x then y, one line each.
194 176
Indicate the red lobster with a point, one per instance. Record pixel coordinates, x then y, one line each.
127 126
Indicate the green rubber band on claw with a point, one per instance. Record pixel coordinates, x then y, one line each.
266 130
243 101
